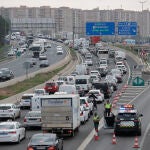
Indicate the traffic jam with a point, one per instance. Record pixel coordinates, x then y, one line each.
62 106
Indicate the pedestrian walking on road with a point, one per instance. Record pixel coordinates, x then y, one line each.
96 120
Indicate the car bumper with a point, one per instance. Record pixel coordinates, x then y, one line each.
33 124
8 138
6 115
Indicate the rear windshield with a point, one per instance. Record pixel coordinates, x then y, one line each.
27 97
100 85
6 126
50 84
33 114
5 107
81 81
126 115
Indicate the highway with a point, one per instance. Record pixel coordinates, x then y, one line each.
74 142
18 69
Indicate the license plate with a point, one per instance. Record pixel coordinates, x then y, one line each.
40 147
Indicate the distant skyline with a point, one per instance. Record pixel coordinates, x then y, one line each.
80 4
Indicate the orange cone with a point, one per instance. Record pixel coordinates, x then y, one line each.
136 143
96 137
114 139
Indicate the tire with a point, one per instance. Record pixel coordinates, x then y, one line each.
18 139
139 133
24 135
13 118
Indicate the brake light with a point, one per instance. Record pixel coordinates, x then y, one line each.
25 120
52 148
12 132
30 148
87 105
81 114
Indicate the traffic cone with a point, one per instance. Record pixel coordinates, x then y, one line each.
96 137
136 143
114 139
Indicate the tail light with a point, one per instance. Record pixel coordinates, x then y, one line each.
87 105
69 131
30 148
81 114
136 121
25 120
51 148
12 132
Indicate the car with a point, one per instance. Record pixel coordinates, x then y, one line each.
48 45
9 111
95 72
42 57
85 101
83 114
98 94
89 62
40 92
44 63
6 74
33 61
25 101
45 141
113 81
128 120
122 68
51 87
12 131
80 90
104 87
32 119
11 53
59 50
118 74
103 70
94 78
69 89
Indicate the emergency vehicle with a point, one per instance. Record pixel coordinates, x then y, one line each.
127 120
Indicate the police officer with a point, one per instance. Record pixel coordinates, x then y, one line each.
107 108
96 120
94 101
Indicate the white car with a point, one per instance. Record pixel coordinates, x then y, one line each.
33 119
12 131
9 110
83 114
94 78
98 94
42 57
26 100
11 53
122 68
88 104
59 50
89 62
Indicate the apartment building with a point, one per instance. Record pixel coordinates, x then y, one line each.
67 20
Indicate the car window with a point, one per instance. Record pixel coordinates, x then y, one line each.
126 115
27 97
5 107
50 84
81 81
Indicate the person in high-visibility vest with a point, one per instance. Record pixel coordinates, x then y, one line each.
96 120
107 108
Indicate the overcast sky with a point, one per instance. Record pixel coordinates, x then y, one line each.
82 4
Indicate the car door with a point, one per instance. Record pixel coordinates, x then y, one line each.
20 130
16 110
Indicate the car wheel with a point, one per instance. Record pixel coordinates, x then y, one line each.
18 139
139 132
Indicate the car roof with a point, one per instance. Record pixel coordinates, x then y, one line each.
7 104
9 122
28 94
53 135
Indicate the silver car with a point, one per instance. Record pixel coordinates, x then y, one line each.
33 119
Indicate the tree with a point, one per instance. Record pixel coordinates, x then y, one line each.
4 29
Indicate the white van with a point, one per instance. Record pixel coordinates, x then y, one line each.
83 81
69 89
67 79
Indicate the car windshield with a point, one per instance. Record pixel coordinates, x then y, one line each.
50 84
33 114
6 126
42 139
5 107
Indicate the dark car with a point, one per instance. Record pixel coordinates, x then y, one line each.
6 74
45 141
44 63
128 120
51 87
104 87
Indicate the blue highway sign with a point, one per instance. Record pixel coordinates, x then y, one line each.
127 28
100 28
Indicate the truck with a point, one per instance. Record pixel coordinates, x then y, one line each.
60 113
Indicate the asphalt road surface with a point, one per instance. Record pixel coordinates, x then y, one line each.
17 66
73 143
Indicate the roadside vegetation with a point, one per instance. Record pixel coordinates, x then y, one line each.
31 82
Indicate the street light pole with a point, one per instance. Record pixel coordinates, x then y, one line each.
142 3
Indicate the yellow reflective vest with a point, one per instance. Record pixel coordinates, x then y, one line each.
96 118
108 105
